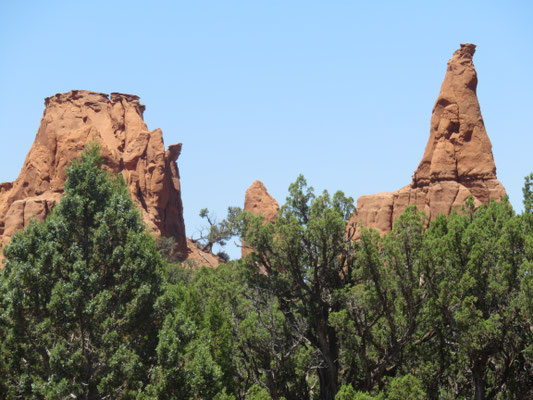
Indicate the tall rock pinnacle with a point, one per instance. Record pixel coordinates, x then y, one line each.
70 121
457 162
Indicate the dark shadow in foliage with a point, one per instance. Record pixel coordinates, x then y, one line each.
166 246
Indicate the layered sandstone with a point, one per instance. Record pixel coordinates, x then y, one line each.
457 162
258 201
70 121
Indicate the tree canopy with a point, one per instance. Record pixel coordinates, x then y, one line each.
447 305
79 292
89 308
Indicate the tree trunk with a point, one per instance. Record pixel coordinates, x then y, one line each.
328 389
328 375
479 382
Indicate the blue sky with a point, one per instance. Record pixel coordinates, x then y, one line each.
340 91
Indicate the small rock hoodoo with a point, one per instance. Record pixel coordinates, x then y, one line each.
259 202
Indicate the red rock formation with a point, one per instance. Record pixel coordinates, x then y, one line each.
196 257
259 202
458 160
70 121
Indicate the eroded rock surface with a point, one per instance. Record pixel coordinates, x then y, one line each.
70 121
259 202
457 162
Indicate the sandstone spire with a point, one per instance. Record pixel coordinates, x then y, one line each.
70 121
457 161
259 202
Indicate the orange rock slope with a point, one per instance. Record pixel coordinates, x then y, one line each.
458 159
70 121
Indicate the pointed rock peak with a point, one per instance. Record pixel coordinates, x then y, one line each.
257 185
458 159
259 202
458 147
466 50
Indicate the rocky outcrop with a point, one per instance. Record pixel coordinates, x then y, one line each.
458 159
259 202
70 121
197 257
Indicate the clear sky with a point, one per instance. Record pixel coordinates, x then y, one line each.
341 91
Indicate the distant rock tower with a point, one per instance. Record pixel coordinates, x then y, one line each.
458 160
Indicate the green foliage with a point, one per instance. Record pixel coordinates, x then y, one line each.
219 232
196 343
271 353
381 314
78 294
444 312
166 246
88 308
473 280
306 259
257 393
347 392
527 190
405 387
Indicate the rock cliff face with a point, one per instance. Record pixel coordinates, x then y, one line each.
259 202
458 159
70 121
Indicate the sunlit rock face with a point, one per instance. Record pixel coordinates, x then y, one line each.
457 162
70 121
258 201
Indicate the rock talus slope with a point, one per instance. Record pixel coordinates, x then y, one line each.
258 201
70 121
457 162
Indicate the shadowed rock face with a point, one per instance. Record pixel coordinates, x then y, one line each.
70 121
259 202
458 159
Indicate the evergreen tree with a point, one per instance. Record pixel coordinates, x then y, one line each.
306 257
218 233
381 315
476 262
89 310
78 292
196 343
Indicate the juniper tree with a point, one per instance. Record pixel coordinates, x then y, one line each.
307 258
78 292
